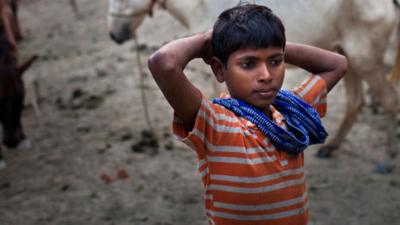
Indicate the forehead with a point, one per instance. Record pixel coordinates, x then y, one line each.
257 52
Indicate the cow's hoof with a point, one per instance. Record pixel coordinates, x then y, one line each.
383 168
324 153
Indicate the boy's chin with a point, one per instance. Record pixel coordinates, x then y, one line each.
262 106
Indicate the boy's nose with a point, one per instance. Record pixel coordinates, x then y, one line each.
263 74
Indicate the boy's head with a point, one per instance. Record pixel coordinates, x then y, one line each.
246 26
248 45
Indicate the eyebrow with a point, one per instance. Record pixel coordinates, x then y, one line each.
248 57
251 57
276 55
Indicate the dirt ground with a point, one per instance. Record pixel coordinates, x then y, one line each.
93 162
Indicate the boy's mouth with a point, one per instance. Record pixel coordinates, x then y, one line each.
265 93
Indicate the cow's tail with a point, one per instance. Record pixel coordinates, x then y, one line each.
394 75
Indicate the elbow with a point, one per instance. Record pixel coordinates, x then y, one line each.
154 61
161 62
342 65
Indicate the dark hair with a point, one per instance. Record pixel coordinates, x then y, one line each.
246 26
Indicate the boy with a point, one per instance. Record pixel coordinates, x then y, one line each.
249 144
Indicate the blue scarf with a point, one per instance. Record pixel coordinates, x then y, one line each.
303 121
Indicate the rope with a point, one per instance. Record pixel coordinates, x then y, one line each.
142 87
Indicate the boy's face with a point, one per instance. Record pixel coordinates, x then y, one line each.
254 75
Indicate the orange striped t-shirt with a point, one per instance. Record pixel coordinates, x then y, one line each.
247 181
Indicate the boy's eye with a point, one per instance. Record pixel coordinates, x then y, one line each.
275 62
247 64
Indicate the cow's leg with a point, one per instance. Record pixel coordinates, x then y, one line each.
367 57
388 97
354 104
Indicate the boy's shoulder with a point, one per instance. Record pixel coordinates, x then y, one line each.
313 90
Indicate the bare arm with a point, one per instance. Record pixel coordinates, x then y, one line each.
329 65
167 65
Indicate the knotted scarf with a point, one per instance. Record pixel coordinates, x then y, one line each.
302 120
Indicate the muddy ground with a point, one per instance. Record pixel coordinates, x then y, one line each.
92 161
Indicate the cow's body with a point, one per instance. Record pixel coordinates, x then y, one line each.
360 29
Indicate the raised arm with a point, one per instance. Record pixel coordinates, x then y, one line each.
167 65
329 65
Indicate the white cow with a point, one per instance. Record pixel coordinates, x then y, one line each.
359 29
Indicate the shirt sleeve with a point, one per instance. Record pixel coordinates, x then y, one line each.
314 91
212 120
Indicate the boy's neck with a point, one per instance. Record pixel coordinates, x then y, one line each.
267 111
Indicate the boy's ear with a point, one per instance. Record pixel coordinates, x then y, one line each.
218 69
